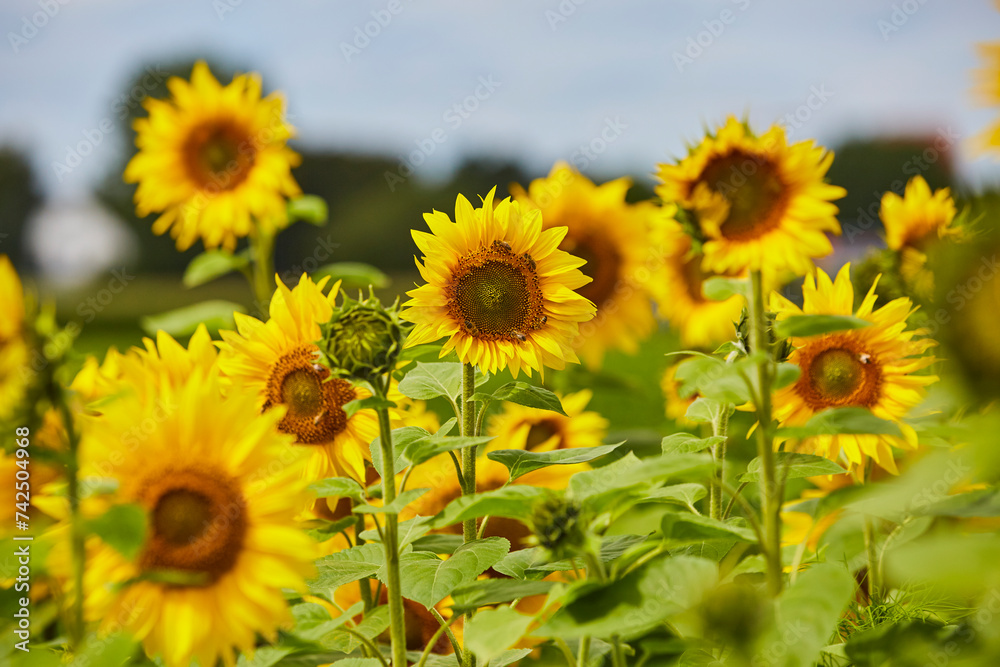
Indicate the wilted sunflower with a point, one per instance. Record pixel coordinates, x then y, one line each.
14 350
613 236
278 361
677 288
758 203
213 160
872 367
914 221
498 287
520 427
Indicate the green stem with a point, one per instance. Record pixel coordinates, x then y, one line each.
365 585
262 244
77 535
871 549
771 500
391 541
445 626
584 657
469 453
720 426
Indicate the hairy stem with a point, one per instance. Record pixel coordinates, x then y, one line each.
720 426
390 540
262 244
469 453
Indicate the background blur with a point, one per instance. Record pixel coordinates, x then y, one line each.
612 87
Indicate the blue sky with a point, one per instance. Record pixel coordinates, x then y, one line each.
561 72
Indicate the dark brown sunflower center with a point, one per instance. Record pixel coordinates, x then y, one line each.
753 187
314 402
219 154
838 372
495 294
603 266
197 523
539 434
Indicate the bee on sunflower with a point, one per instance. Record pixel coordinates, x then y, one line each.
213 160
498 287
755 202
613 236
279 362
874 367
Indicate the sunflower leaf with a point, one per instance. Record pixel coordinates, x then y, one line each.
514 502
353 275
424 449
401 439
427 579
815 325
310 208
123 528
520 462
375 622
686 443
794 465
693 528
489 592
491 632
401 501
337 487
431 380
720 289
852 420
346 566
525 394
213 264
370 403
182 322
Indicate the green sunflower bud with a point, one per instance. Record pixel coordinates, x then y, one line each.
559 528
363 339
780 347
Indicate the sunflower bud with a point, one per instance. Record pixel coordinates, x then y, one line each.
780 347
363 339
559 528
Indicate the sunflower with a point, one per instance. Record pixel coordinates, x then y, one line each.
757 203
677 288
675 405
613 236
520 427
874 367
14 350
498 287
987 90
213 160
277 360
912 222
220 486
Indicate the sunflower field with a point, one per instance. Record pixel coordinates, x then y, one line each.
599 428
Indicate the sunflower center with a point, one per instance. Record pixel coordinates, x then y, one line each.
755 192
219 154
539 434
315 402
197 522
602 267
838 372
495 294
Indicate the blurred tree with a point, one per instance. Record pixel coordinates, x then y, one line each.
19 197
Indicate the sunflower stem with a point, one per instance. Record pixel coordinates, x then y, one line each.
469 531
771 500
391 540
262 245
871 548
720 426
364 584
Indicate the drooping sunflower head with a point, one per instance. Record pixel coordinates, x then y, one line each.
498 288
874 367
220 486
677 288
757 202
278 361
613 237
213 160
520 427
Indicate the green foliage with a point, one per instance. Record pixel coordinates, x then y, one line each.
427 579
492 631
815 325
353 275
525 394
685 443
346 566
515 502
308 208
122 527
793 466
841 420
213 264
182 322
520 462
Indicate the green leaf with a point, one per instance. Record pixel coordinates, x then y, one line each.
424 449
636 603
356 662
322 530
814 325
720 289
515 502
685 443
525 394
787 374
430 380
182 322
213 264
401 439
312 621
692 528
338 487
353 275
395 507
427 579
346 566
410 531
520 462
981 503
115 649
852 420
509 657
630 471
370 403
310 208
375 622
807 613
796 465
438 543
714 379
493 631
490 592
123 528
947 562
686 494
707 410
